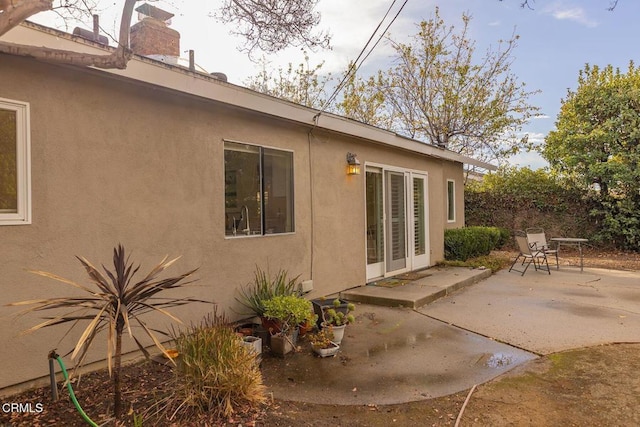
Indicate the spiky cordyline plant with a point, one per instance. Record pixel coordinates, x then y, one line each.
113 306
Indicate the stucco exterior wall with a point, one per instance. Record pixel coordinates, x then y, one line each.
120 162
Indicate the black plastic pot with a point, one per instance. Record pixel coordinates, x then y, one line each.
320 304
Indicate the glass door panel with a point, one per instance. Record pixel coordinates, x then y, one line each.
375 224
420 252
396 222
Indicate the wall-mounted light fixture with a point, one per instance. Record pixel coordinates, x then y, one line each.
353 164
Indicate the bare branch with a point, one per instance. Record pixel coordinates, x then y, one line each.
275 24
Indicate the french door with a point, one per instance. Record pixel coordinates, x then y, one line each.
397 222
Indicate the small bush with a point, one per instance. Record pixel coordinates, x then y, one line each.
263 288
216 372
460 244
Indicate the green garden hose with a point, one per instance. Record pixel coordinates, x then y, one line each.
53 355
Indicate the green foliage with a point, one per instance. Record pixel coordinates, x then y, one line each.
438 90
264 287
364 100
597 145
289 310
468 242
117 303
322 338
216 372
518 198
338 316
302 85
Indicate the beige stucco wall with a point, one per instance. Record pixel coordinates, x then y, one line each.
115 162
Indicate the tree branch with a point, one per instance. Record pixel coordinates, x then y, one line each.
27 8
15 13
117 59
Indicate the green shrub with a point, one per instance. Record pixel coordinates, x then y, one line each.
263 288
517 198
463 243
290 310
216 372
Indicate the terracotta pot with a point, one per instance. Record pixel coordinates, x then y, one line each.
271 325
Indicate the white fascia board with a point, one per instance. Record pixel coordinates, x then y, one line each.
156 73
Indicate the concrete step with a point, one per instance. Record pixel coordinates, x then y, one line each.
413 293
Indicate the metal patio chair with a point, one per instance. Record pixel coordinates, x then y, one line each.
529 254
537 237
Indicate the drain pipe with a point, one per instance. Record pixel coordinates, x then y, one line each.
54 355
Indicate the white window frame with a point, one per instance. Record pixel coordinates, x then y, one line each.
451 201
23 164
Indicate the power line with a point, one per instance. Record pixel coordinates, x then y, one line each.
355 65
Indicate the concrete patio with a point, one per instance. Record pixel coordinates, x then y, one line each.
477 329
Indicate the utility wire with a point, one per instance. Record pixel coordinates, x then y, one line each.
355 65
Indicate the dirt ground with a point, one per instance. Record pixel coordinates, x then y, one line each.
596 386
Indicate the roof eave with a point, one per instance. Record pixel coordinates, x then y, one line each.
202 85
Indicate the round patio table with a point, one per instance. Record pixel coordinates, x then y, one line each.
571 241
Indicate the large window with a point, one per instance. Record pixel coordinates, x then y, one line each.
14 163
451 201
258 190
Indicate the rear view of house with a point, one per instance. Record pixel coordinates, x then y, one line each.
170 160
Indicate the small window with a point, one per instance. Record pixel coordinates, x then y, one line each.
451 201
15 180
258 190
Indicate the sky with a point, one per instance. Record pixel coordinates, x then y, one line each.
557 38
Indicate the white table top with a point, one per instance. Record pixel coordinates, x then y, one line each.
569 239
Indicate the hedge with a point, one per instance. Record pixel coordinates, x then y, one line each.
461 244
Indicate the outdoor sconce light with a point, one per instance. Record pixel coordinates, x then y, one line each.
353 164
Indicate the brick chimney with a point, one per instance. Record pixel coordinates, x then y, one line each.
152 35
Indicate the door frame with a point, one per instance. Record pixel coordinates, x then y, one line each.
380 270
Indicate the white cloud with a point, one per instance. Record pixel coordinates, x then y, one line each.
577 14
540 116
532 160
495 24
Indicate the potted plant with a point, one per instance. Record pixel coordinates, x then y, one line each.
308 324
322 342
321 304
337 319
265 286
288 311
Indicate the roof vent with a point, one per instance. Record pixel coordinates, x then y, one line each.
90 35
94 35
219 76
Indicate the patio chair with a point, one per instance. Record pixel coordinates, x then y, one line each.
537 237
529 255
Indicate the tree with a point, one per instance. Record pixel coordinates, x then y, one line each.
597 143
438 92
302 85
363 100
273 25
270 26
